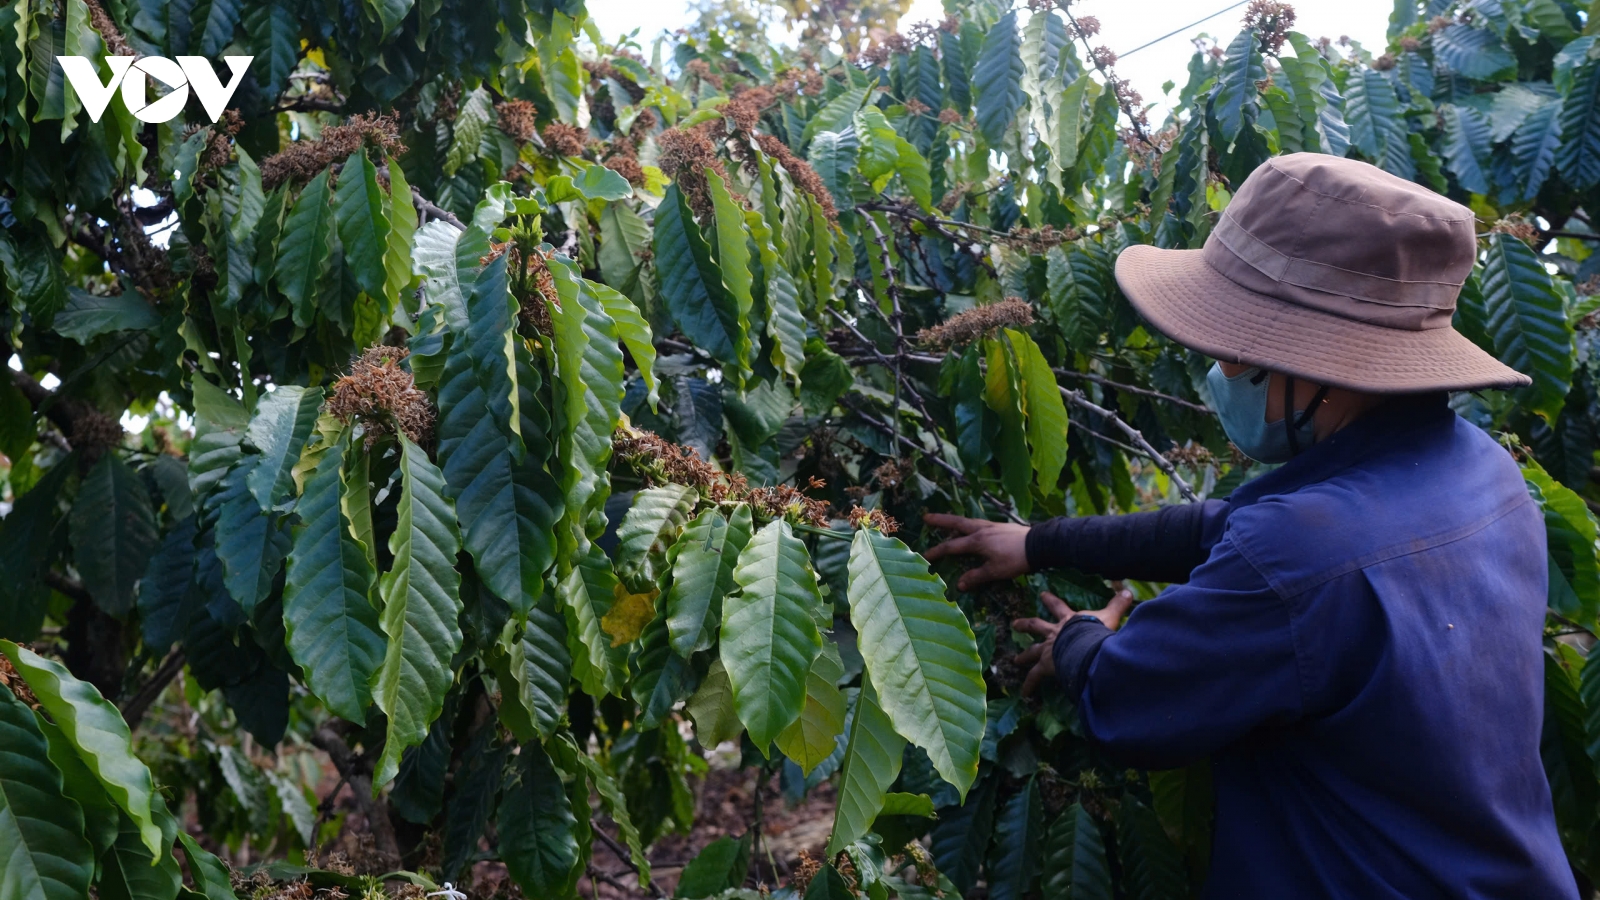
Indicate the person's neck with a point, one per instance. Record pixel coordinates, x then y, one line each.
1342 407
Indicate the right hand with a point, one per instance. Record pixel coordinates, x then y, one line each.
1002 547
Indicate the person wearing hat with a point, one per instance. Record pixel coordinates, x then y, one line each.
1353 639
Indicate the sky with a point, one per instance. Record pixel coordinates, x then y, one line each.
1124 25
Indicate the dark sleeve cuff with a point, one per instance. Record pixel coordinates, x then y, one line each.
1076 645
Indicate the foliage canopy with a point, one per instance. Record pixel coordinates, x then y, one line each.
366 413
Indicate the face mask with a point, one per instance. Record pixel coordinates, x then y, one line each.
1242 405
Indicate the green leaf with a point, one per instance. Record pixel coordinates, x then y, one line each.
249 542
1075 858
421 607
876 154
914 173
833 157
692 285
811 738
1475 53
1534 146
721 865
716 720
653 522
331 627
1377 126
1579 154
733 259
209 873
113 533
1014 860
596 183
535 671
703 560
786 325
828 884
101 817
1572 534
473 119
402 216
1042 40
97 730
1235 99
477 786
586 594
769 631
88 316
1068 123
836 115
871 764
1151 866
631 328
920 652
129 871
1047 414
589 374
997 80
537 828
363 228
220 421
660 677
494 496
1465 145
1002 392
47 857
963 833
1525 317
611 800
279 429
27 536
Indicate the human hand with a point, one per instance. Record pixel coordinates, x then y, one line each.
1041 656
1002 546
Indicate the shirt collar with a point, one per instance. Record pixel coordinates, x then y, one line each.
1373 432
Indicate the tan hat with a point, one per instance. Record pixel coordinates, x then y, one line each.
1327 269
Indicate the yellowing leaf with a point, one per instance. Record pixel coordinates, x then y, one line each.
629 615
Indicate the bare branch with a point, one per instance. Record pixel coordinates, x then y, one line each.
1076 398
135 707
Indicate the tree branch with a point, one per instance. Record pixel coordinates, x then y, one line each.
621 853
883 428
430 211
1096 379
1077 399
134 709
70 587
355 769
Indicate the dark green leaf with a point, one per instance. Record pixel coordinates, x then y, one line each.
537 840
1075 858
691 284
997 80
1525 317
113 533
41 828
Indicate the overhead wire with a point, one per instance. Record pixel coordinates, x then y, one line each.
1177 31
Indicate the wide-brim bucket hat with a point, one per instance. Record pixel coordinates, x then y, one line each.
1327 269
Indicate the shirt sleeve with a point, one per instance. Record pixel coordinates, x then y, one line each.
1164 545
1190 671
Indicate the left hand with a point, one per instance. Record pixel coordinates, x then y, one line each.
1041 656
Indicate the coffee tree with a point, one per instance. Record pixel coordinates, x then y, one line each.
508 418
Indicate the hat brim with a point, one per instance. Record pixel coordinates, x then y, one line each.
1179 294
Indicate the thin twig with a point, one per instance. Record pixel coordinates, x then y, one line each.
622 853
938 226
960 476
1097 379
1076 398
431 211
1112 79
134 709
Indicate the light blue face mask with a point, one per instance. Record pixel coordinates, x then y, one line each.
1241 403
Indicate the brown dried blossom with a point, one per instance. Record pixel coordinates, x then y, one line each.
701 70
1384 63
103 23
626 165
916 107
535 310
660 461
746 107
685 156
804 870
876 519
564 140
1410 44
1439 23
12 680
599 70
517 119
382 396
949 116
302 160
1272 19
1516 226
1102 57
1040 240
1041 6
1589 286
977 322
800 172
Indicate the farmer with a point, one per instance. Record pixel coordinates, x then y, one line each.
1354 638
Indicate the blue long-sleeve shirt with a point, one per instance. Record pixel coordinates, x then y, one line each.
1360 657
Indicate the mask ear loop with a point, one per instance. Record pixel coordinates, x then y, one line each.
1292 420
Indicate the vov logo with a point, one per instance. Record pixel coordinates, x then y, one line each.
133 76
